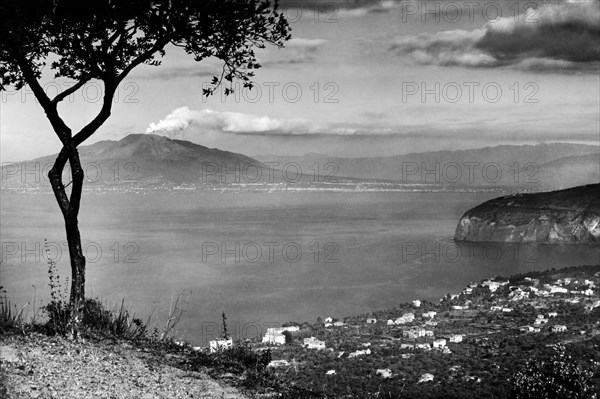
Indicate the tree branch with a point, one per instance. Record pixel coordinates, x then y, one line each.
69 91
60 128
110 87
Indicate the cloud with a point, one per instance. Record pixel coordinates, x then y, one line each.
184 118
340 5
555 37
296 51
333 10
168 73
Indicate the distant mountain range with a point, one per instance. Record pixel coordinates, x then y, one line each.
555 165
152 159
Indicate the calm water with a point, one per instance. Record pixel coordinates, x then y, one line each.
263 258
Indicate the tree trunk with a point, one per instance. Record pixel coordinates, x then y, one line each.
69 207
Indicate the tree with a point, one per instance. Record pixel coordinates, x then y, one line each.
560 377
103 41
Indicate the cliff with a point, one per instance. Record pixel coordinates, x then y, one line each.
565 216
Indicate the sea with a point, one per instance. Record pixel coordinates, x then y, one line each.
261 257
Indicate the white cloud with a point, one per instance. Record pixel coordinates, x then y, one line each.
184 118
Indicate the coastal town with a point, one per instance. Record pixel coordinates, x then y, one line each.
465 343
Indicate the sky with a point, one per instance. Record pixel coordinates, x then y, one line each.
362 78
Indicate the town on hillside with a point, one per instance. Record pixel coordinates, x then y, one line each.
467 345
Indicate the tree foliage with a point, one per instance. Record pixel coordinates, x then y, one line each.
559 377
106 39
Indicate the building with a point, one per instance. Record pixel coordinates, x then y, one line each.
559 328
426 378
274 336
390 322
360 353
371 320
456 338
416 303
220 344
557 290
338 323
330 372
407 346
328 320
405 318
384 373
313 343
423 346
494 285
552 314
439 343
417 333
278 363
429 315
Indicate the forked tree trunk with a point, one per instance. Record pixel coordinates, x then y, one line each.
69 206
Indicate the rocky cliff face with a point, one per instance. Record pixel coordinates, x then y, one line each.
565 216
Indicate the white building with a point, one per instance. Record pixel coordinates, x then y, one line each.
559 328
328 320
494 285
313 343
405 318
429 315
274 336
360 353
371 320
456 338
417 333
558 290
220 344
384 373
439 343
426 377
416 303
278 363
330 372
552 314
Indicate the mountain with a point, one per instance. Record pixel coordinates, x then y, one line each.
564 216
509 165
146 158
